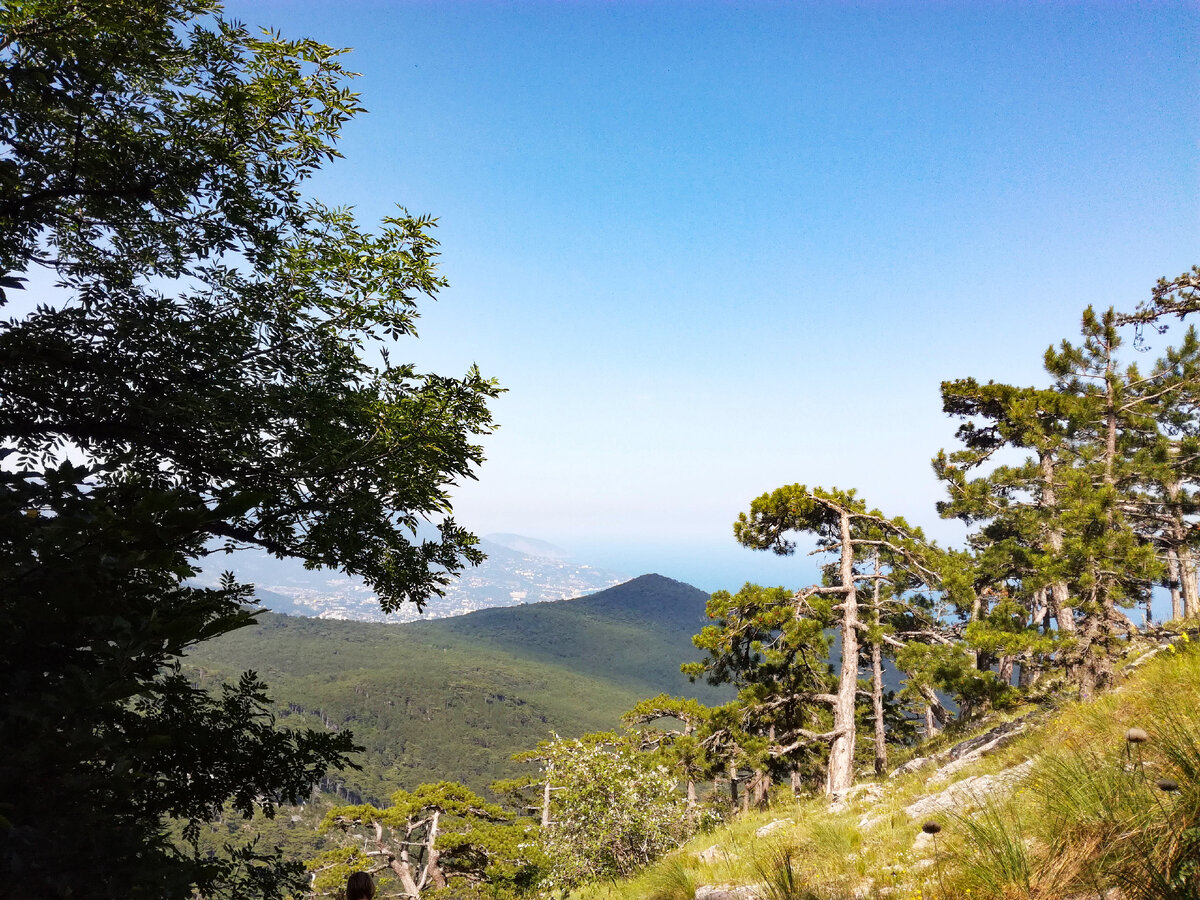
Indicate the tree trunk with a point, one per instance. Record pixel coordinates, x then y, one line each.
546 804
1175 577
761 784
403 868
733 786
1031 670
930 727
1006 668
1060 599
877 708
877 678
1187 577
433 872
841 750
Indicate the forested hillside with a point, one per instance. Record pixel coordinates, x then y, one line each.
453 699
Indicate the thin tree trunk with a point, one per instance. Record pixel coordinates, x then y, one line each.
877 679
1175 577
841 750
1187 577
761 782
1060 607
403 868
546 803
877 708
1025 677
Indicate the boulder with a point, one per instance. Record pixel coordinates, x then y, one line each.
772 827
967 792
713 854
911 766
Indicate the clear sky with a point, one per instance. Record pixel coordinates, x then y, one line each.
713 248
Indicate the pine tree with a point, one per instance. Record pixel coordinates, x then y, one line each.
774 641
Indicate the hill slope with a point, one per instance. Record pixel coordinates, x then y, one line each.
455 698
1095 800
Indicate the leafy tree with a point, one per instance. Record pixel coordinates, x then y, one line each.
196 375
1177 297
438 836
681 746
1073 532
615 810
1105 559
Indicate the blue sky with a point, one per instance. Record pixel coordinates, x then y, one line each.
712 248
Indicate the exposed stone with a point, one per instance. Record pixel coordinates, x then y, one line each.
772 826
868 792
866 822
727 892
1144 658
911 766
715 853
968 791
864 890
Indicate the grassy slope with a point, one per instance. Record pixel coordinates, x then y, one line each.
455 698
1089 818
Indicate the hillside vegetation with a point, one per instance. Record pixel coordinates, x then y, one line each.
456 698
1093 799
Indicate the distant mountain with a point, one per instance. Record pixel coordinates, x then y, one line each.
518 570
455 698
528 546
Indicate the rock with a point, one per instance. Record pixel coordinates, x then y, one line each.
864 890
869 792
1144 658
713 854
867 822
968 791
727 892
988 741
911 766
772 826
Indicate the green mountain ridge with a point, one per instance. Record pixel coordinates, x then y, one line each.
453 699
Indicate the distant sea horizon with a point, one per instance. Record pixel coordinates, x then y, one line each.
712 567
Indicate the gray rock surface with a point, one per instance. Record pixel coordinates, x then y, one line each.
772 827
728 892
968 792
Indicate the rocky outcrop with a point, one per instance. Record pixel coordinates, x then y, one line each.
771 827
969 792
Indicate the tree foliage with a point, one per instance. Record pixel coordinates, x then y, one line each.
773 643
199 371
613 809
438 836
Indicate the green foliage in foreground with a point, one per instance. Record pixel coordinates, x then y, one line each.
195 371
612 810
